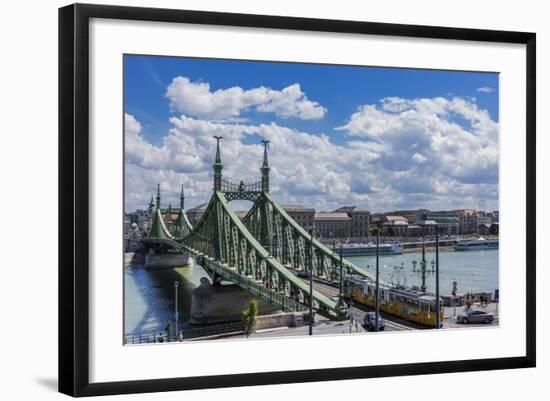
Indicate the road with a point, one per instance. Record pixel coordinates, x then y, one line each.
325 326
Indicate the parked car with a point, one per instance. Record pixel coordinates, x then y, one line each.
369 321
475 316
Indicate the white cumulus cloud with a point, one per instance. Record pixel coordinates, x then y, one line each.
451 136
198 100
435 153
485 89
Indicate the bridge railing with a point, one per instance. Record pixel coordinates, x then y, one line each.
187 333
281 300
233 186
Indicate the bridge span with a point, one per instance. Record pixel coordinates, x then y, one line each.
254 252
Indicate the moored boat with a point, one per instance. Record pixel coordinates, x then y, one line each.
476 244
370 249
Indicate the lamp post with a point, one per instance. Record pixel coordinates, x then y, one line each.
437 317
331 235
311 282
350 315
377 300
176 307
422 268
341 266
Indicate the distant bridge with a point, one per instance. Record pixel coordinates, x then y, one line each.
254 252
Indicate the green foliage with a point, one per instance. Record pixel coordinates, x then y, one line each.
250 316
169 333
374 229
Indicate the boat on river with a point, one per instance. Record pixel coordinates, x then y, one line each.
476 244
370 249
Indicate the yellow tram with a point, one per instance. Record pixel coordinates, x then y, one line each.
411 305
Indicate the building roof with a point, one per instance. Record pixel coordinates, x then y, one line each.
350 209
331 216
396 223
395 219
200 208
297 208
426 223
241 213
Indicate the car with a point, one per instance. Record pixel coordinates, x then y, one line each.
370 319
475 316
303 273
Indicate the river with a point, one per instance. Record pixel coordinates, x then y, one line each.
473 270
149 294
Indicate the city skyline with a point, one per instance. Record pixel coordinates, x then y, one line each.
378 138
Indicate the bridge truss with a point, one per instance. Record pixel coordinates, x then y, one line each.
259 252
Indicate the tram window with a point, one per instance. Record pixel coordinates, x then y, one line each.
391 297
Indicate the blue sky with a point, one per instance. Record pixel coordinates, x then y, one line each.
381 138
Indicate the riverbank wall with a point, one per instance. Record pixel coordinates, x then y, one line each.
222 303
133 258
163 261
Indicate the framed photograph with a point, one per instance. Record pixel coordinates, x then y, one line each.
251 199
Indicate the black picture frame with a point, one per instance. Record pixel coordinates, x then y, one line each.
74 198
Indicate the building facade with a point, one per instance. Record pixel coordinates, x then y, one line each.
360 220
467 221
412 215
395 226
304 216
195 214
445 220
333 224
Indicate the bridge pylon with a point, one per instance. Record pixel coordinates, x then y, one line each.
262 252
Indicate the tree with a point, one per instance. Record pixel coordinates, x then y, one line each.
374 228
168 329
250 316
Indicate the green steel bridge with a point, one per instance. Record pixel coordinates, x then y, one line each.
256 252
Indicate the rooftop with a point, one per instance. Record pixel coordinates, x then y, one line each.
297 208
395 219
199 208
331 216
350 209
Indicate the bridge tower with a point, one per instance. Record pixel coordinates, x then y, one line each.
182 199
158 227
158 196
218 166
151 206
265 169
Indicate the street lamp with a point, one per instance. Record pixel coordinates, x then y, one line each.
377 300
350 315
311 282
437 309
341 267
422 268
331 235
176 306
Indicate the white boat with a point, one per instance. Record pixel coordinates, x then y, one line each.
370 249
476 244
